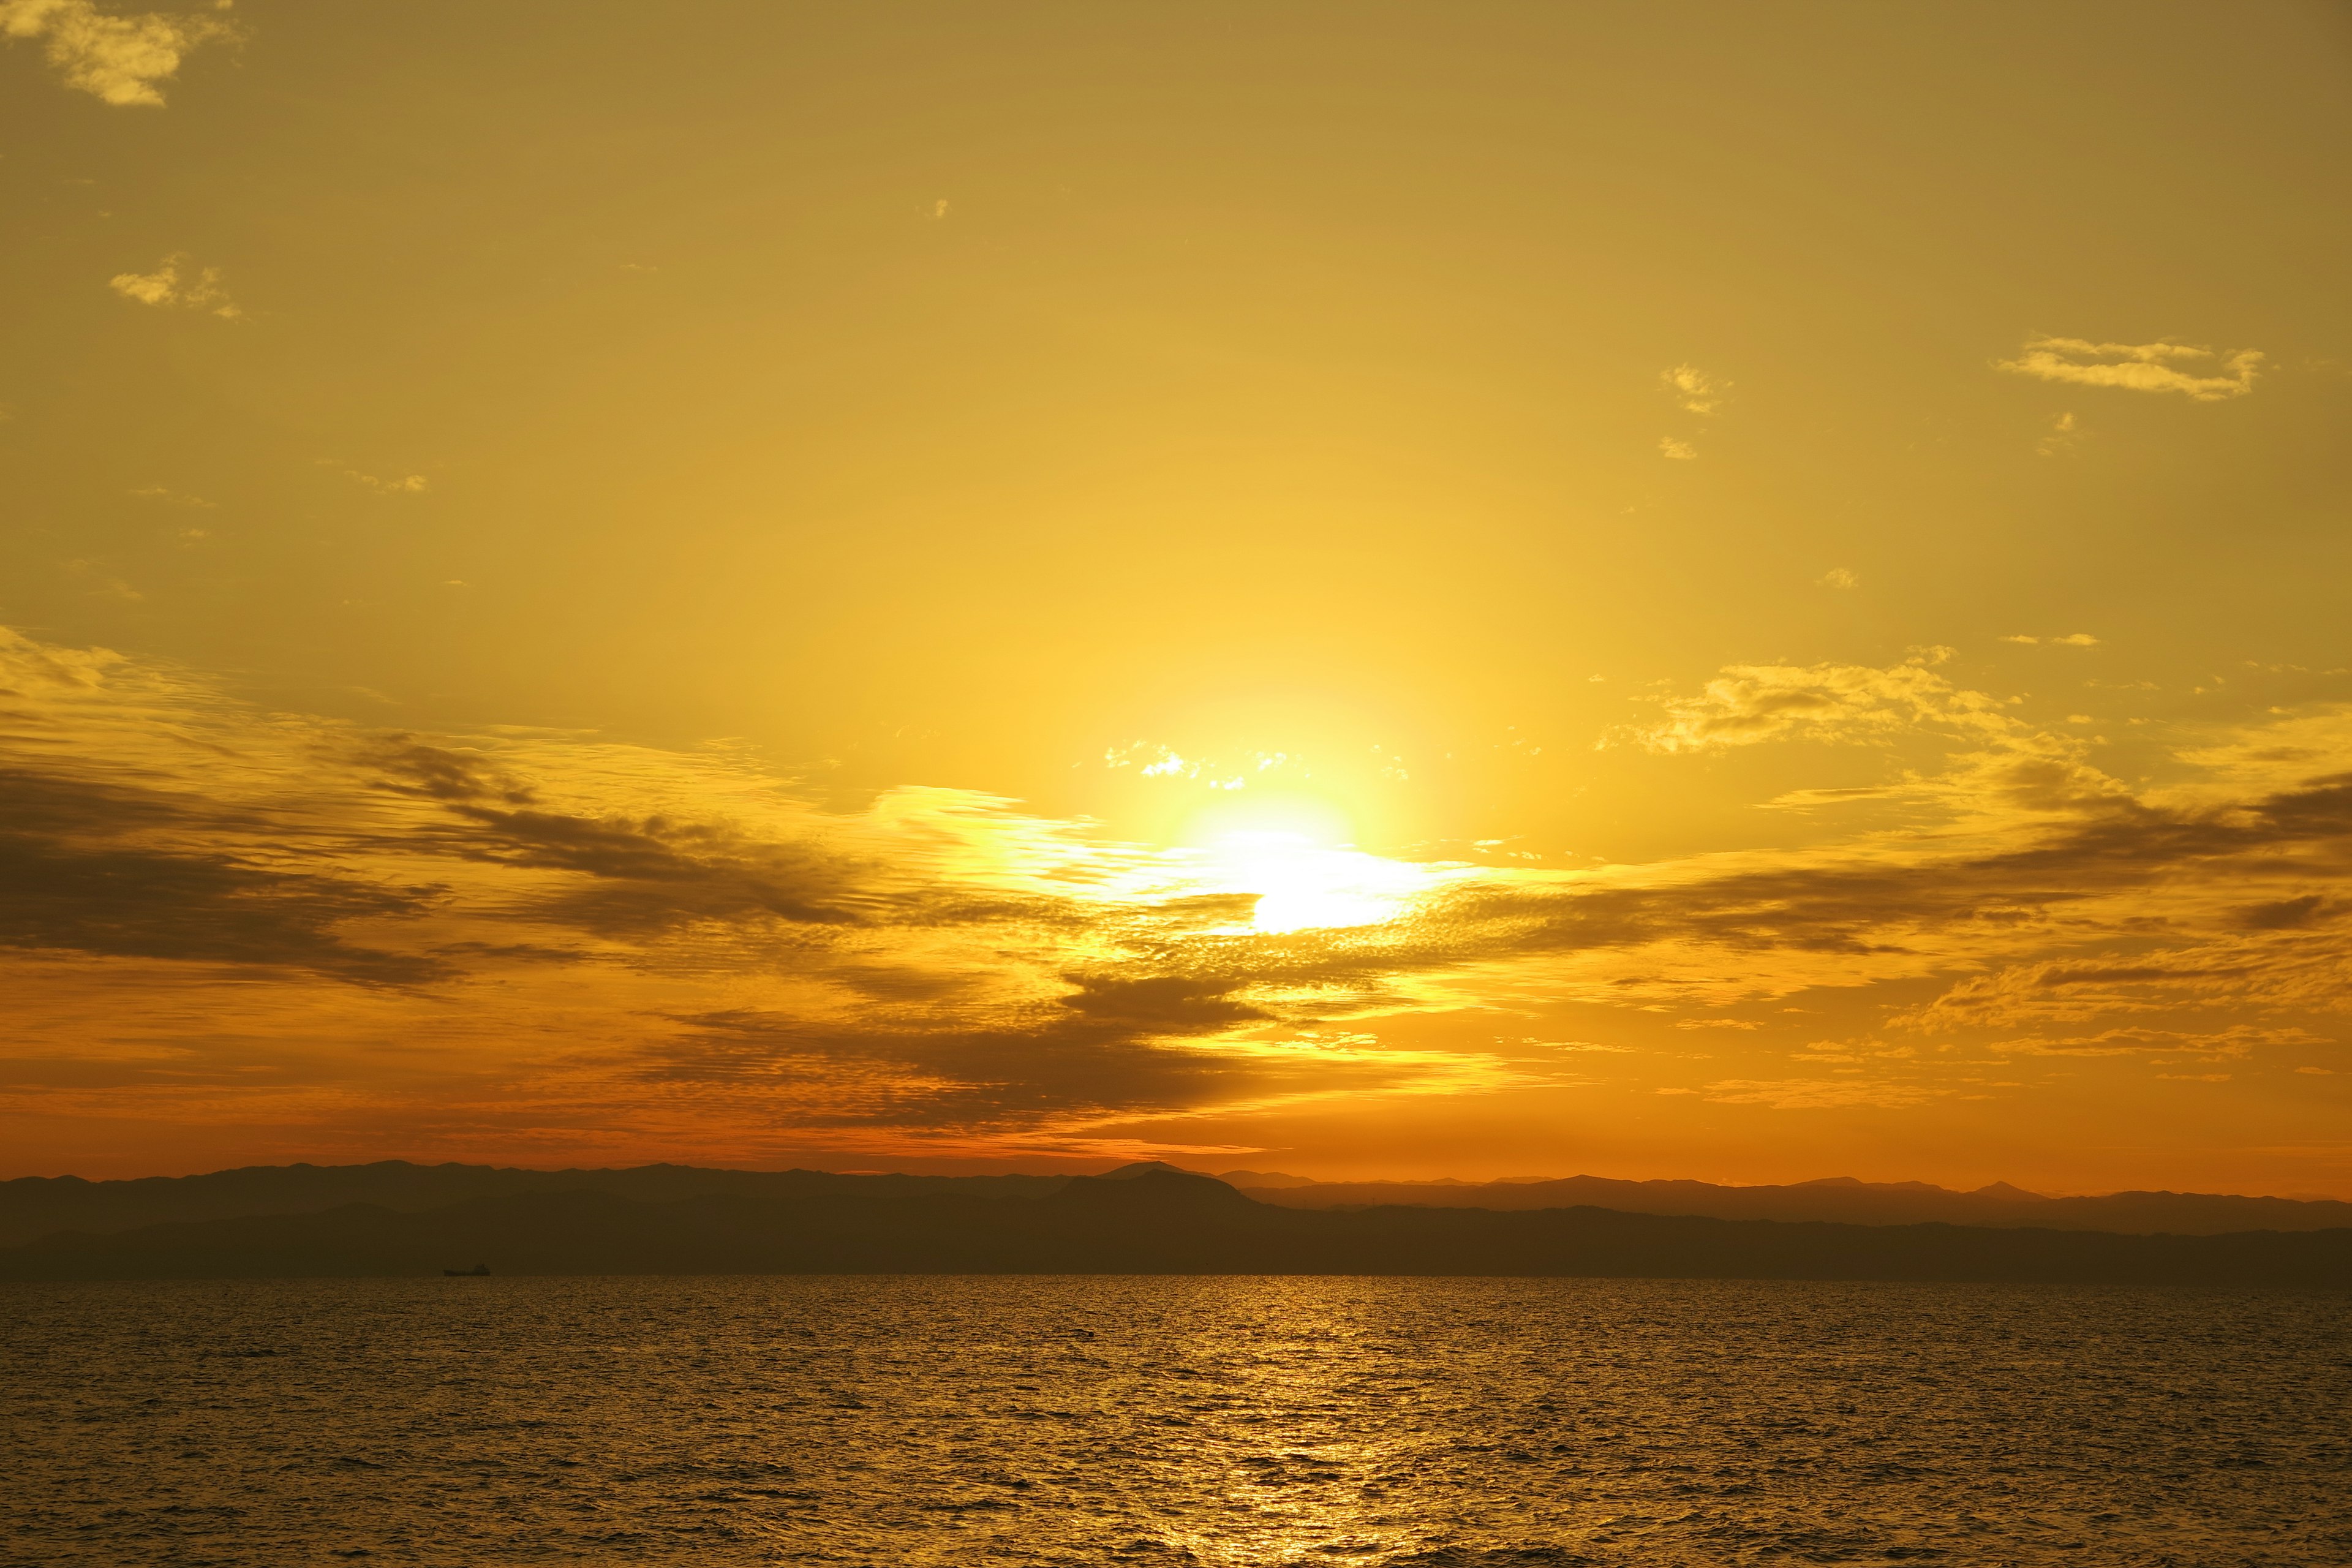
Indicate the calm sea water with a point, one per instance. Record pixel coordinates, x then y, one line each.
1168 1421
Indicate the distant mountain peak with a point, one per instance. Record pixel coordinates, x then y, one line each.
1148 1189
1144 1168
2003 1190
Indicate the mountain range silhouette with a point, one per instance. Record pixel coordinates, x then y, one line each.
395 1218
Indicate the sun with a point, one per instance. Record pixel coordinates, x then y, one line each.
1295 857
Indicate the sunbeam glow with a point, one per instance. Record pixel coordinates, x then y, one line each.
1302 885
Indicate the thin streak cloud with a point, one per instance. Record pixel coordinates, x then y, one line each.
2138 367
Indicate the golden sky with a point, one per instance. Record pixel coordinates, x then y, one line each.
1662 589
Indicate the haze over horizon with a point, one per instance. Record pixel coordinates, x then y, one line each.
1360 590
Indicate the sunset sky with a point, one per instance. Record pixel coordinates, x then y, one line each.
1745 592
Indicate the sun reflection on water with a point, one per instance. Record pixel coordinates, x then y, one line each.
1296 1480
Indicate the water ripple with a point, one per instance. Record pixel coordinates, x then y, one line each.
912 1422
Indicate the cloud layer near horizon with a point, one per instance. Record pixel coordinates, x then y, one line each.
211 911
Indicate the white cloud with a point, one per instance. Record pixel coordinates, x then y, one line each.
1838 577
157 287
2140 368
171 288
170 497
2063 433
1748 703
1692 390
1163 763
1681 452
116 58
408 485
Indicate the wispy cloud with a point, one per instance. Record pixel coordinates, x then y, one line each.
2062 435
2005 766
405 485
2133 1040
2139 367
524 925
1817 1094
1680 451
171 285
1749 704
171 496
1692 390
117 58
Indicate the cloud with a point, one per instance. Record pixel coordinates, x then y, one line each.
2132 1040
2073 639
1838 577
2140 368
117 58
90 890
2011 769
2289 915
553 926
169 287
165 494
2212 959
1163 763
1680 451
1692 390
408 485
955 959
1816 1094
1102 1046
2063 437
1751 703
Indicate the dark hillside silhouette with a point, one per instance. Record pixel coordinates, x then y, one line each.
1154 1222
1844 1199
35 1206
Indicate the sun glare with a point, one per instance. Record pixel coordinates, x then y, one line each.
1301 884
1294 855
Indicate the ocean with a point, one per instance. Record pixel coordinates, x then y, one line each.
1153 1420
